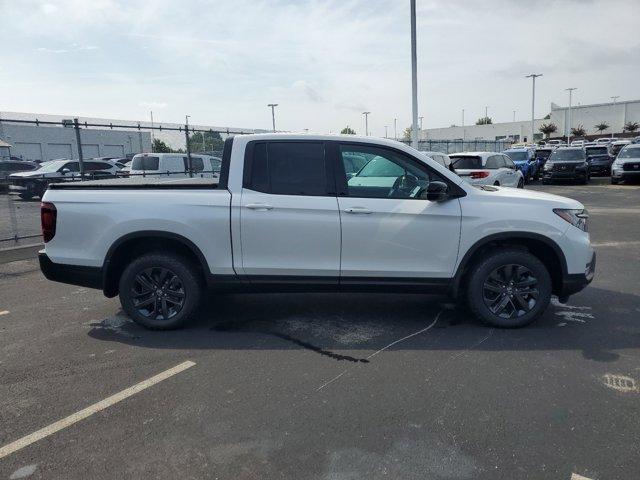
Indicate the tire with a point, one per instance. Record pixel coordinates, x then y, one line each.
546 182
167 283
614 181
495 271
520 183
496 184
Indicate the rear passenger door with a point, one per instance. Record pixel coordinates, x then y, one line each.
510 174
290 226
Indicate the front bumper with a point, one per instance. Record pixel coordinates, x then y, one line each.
604 169
620 174
80 275
573 283
574 175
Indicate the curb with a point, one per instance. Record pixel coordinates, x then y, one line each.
24 252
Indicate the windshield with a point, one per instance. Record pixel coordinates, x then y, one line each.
50 167
616 148
543 153
597 151
517 156
630 153
145 163
466 162
567 155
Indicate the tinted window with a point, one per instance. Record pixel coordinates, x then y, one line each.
216 165
466 162
72 166
387 174
197 164
145 163
493 162
630 153
91 166
597 151
353 163
508 162
289 168
567 155
518 156
543 153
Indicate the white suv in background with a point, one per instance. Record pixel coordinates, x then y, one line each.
487 168
172 165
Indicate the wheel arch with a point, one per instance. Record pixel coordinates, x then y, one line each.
128 246
544 248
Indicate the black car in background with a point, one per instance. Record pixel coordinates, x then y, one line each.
542 155
599 160
7 167
566 163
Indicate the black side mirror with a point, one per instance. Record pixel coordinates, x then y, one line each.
437 191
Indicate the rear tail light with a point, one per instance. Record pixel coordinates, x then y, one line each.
481 174
48 217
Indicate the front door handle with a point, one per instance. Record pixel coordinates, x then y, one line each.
259 206
357 210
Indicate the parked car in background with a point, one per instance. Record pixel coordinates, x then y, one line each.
626 166
566 163
578 143
615 147
284 216
556 143
605 140
525 160
598 159
487 168
636 140
34 183
442 158
542 154
174 165
9 167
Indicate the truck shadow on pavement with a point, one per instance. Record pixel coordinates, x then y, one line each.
346 327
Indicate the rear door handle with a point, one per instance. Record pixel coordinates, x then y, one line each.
357 210
259 206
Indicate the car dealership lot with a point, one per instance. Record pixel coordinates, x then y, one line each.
329 386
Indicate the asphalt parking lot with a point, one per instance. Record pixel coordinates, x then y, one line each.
328 386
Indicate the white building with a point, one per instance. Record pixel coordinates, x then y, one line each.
587 116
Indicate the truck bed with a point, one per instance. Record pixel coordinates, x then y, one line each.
138 183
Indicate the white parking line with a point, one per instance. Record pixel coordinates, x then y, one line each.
90 410
575 476
616 244
4 312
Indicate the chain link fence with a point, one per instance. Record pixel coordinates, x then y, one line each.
457 146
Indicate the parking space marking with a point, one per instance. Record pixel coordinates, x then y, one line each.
4 312
575 476
615 244
90 410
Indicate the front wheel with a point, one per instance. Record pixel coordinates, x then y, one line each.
160 291
521 183
614 181
509 288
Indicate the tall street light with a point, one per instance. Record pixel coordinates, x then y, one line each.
395 129
570 90
414 78
386 131
533 77
273 115
486 112
463 125
420 118
614 98
366 123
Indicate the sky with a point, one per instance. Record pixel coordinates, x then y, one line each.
322 62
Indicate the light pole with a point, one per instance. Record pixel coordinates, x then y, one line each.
273 115
570 90
366 123
486 112
395 129
385 131
153 137
615 97
420 118
514 116
414 78
533 76
463 125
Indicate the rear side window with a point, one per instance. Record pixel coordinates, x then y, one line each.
92 166
145 163
288 168
197 164
493 162
466 163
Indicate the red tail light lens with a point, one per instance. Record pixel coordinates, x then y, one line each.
48 216
482 174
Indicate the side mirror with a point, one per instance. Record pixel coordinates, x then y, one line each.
65 171
437 191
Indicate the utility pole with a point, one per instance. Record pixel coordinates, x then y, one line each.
153 137
186 134
366 123
533 76
616 97
463 125
273 115
420 118
570 90
385 131
414 78
395 129
486 112
514 116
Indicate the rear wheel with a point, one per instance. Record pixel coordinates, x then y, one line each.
509 288
160 291
521 183
614 181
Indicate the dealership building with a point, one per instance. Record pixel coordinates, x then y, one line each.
615 115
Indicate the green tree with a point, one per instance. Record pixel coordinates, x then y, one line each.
601 127
406 135
160 147
208 141
578 131
484 121
348 131
548 128
631 126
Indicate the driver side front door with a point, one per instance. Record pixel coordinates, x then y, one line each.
387 230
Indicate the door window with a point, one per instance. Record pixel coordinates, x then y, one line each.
386 174
494 162
72 166
288 168
509 163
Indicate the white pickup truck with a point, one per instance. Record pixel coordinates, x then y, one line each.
291 213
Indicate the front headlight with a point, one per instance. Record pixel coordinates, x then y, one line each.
576 217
